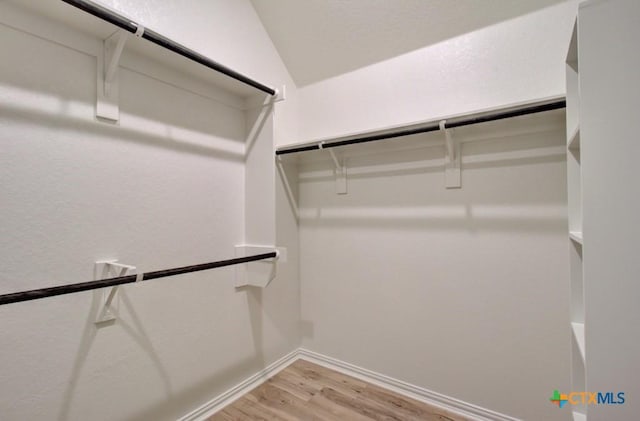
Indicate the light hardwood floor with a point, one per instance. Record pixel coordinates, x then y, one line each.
306 391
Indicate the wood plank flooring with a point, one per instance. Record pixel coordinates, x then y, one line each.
306 391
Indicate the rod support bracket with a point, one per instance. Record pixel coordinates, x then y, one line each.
452 170
259 273
105 269
281 94
339 171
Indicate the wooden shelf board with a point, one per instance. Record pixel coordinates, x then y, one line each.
578 333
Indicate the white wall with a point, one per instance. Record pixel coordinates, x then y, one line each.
514 61
457 291
166 188
609 107
163 188
463 292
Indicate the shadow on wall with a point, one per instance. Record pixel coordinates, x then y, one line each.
208 388
173 402
135 330
258 125
470 222
404 189
60 120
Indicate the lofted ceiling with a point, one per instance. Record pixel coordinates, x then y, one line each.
319 39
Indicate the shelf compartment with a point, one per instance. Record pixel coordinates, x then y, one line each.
578 372
573 142
573 100
578 335
574 190
573 84
572 52
577 284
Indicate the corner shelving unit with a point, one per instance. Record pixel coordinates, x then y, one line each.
574 191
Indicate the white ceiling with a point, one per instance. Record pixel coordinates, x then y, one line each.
318 39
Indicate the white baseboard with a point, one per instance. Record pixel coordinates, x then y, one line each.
415 392
450 404
236 392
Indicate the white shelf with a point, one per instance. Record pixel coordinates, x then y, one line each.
574 139
576 236
578 333
579 416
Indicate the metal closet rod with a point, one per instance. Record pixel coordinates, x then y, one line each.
146 33
103 283
431 127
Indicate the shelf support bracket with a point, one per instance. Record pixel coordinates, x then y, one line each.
340 171
106 269
107 106
452 171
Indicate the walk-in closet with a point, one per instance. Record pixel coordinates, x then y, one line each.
319 210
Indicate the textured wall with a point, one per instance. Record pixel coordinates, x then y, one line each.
163 188
463 292
514 61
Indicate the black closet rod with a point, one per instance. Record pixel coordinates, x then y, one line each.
133 27
103 283
531 109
